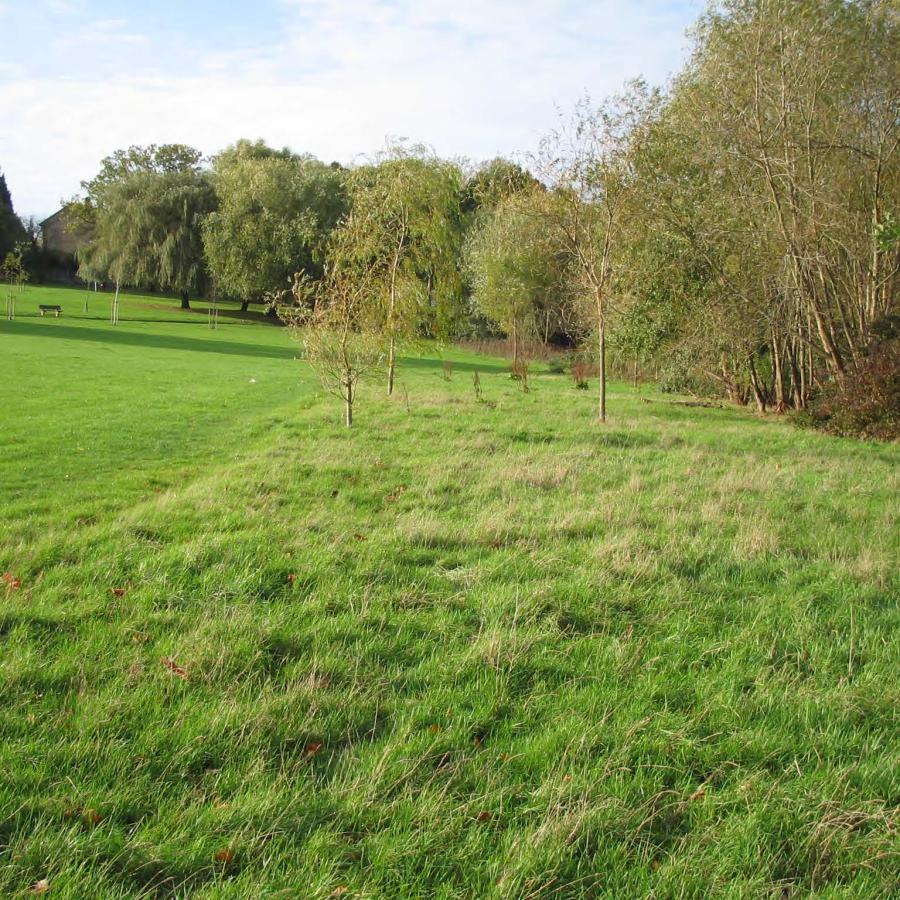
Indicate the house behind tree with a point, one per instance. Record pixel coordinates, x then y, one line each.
64 233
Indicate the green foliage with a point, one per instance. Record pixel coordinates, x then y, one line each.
167 159
148 231
887 232
274 214
13 268
766 184
493 182
12 232
512 267
405 235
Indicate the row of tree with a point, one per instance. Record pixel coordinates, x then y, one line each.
764 237
737 232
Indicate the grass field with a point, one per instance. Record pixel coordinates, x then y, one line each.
462 650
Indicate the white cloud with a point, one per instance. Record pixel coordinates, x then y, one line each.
469 78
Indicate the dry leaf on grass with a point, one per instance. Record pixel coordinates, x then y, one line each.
12 583
174 668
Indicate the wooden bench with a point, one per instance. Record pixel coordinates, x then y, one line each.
48 308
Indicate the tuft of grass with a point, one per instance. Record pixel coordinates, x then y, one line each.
463 649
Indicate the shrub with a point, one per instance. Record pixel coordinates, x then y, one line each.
519 373
476 385
867 404
580 372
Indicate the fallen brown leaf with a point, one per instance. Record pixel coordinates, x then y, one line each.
12 583
224 856
40 887
174 668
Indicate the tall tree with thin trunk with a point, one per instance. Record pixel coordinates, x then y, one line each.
406 236
332 319
586 165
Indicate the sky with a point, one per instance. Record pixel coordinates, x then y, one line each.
335 78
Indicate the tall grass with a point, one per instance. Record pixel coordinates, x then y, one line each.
461 650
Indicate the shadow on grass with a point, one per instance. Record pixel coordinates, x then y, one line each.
111 335
430 362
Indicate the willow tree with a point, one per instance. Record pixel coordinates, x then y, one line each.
146 206
331 316
275 212
148 232
406 235
512 267
586 164
493 182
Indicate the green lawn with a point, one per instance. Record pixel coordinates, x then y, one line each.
462 650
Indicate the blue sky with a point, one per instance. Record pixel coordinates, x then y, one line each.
472 78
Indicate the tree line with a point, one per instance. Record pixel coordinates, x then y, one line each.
737 232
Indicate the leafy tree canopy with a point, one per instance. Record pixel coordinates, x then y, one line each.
275 212
148 230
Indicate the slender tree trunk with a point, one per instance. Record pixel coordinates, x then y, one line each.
392 365
245 305
348 405
185 301
758 392
796 367
602 404
778 374
392 306
515 342
601 335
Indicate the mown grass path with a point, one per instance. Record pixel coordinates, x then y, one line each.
463 650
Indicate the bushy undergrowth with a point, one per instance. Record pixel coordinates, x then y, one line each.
867 403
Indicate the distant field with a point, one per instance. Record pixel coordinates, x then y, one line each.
461 650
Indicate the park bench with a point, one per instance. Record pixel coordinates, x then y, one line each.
48 308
